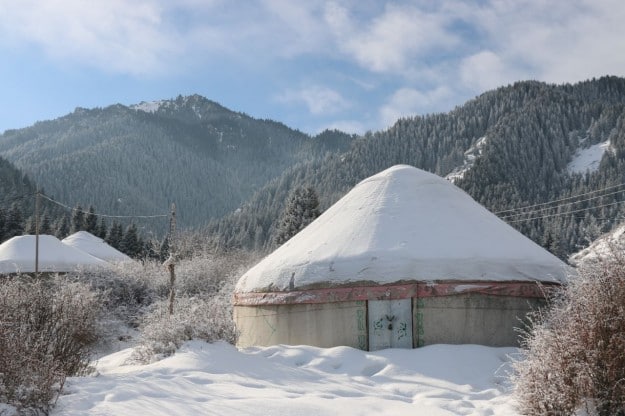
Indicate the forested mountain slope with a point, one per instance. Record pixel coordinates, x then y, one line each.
137 160
514 145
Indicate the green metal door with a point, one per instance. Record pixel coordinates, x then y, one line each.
390 324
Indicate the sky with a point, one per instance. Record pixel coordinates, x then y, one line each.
354 65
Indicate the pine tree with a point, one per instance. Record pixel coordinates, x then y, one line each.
14 224
44 225
78 220
31 225
164 249
102 229
2 224
91 221
62 228
301 209
130 243
115 235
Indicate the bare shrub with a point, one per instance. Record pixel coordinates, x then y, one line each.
126 288
46 329
574 358
205 273
206 318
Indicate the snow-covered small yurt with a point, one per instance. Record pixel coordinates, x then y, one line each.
95 246
405 259
17 255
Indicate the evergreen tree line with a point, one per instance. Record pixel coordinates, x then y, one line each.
125 239
194 151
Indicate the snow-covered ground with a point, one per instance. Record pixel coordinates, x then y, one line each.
602 248
588 159
219 379
470 156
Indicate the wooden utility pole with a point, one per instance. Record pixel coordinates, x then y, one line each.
171 261
37 232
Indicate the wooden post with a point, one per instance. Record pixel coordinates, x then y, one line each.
171 261
37 233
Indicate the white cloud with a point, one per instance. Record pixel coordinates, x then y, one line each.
154 36
320 100
484 71
407 102
294 28
433 55
114 34
391 41
556 42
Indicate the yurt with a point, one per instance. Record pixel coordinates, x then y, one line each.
405 259
95 246
17 255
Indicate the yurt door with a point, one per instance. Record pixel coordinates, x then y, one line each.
390 324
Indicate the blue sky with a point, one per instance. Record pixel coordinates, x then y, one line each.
353 65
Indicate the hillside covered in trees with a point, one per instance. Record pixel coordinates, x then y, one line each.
139 159
512 149
514 145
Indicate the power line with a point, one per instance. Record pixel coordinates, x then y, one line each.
559 205
559 200
565 213
102 215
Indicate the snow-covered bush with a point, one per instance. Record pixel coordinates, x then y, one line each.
203 306
206 273
574 357
46 329
207 318
126 288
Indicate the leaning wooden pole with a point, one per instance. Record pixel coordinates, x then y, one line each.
37 233
171 261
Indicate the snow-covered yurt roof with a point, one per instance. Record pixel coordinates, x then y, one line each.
90 244
403 224
18 255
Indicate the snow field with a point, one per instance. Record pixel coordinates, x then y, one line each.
588 159
218 379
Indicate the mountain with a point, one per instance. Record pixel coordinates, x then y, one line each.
137 160
548 159
509 148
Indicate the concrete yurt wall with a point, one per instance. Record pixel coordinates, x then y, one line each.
405 259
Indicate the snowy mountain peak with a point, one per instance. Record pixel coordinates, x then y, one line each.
148 106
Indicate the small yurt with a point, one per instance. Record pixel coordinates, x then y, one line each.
95 246
405 259
17 255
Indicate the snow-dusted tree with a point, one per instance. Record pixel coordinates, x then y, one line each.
301 209
2 221
574 358
45 227
115 235
78 219
131 244
14 224
102 229
62 228
91 221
